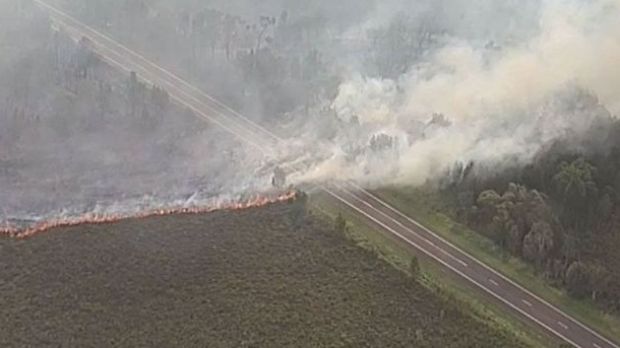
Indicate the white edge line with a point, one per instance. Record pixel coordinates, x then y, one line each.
416 234
379 200
106 57
166 72
505 278
450 267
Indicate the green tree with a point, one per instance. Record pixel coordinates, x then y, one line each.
575 180
135 92
576 189
491 216
298 209
605 207
538 243
510 217
578 279
600 280
340 224
414 266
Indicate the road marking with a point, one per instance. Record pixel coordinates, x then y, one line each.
391 219
103 50
443 251
564 326
493 282
83 27
452 257
510 281
596 345
106 51
447 265
527 303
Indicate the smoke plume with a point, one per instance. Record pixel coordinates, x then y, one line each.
381 92
495 105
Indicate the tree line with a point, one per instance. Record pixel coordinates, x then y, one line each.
560 213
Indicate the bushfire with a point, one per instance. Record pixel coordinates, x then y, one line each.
254 201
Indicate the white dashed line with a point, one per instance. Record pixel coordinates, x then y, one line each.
463 263
452 257
184 96
527 303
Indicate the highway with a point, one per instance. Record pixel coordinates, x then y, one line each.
378 213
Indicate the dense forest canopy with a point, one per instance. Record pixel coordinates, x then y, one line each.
560 212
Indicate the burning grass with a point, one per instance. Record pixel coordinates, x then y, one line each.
256 201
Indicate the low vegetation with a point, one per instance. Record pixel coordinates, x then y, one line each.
265 277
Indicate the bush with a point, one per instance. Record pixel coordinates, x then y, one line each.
340 224
414 266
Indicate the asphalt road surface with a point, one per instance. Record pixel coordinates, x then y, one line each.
377 212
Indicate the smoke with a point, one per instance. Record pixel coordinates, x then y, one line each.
492 105
578 44
381 92
79 137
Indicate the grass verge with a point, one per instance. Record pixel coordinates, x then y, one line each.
469 299
426 207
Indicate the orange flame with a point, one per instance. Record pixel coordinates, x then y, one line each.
96 219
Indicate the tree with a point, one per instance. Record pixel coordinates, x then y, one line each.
230 31
298 209
538 243
381 142
402 43
514 238
265 23
605 207
488 199
575 187
414 266
213 29
135 93
574 181
340 224
509 218
577 279
600 280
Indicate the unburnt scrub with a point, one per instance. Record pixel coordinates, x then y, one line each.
265 277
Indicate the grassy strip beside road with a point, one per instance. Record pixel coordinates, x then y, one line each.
451 287
426 207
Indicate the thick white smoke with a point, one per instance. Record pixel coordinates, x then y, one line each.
501 81
498 103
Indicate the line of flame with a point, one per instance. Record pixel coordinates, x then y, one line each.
97 219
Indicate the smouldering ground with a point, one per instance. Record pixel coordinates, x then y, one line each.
225 279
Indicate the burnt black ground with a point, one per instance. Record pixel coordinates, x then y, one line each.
226 279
